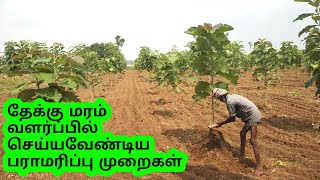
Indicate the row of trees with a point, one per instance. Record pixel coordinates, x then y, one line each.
55 74
212 57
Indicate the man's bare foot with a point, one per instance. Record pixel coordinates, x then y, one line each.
258 171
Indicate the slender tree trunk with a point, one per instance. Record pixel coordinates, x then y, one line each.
92 93
37 81
212 100
175 100
266 95
266 91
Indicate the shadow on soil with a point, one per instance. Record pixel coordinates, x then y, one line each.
288 124
200 141
161 101
197 139
164 113
208 172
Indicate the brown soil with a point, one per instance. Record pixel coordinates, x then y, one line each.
286 133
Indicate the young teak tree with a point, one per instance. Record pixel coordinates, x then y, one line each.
146 59
265 58
54 76
289 56
312 42
208 59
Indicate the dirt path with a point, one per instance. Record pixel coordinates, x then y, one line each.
175 121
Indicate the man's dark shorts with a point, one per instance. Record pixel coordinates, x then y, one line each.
250 122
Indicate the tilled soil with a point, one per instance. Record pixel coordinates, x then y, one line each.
286 132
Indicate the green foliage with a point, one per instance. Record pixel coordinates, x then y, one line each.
209 52
119 40
312 47
265 58
2 62
315 78
236 58
280 163
99 48
294 93
54 75
99 59
210 57
115 60
146 59
289 55
103 57
169 69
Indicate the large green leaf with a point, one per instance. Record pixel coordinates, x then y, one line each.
49 94
27 95
42 68
222 85
46 77
302 16
221 28
306 29
68 96
19 88
193 78
42 60
202 43
202 89
196 31
76 79
232 76
70 84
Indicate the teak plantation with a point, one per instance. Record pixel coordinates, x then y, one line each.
169 95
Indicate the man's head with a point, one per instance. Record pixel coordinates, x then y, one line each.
220 94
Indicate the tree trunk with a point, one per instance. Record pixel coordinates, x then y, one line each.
37 81
92 93
266 95
212 100
266 90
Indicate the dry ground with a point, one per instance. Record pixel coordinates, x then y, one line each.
286 133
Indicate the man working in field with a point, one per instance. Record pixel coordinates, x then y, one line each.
241 107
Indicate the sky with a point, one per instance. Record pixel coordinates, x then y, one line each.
159 24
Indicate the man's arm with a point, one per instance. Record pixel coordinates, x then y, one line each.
230 119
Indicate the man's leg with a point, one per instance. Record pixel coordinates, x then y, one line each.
243 134
254 142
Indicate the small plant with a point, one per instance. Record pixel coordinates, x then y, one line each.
280 163
294 93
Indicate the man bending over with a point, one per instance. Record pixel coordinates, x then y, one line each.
241 107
